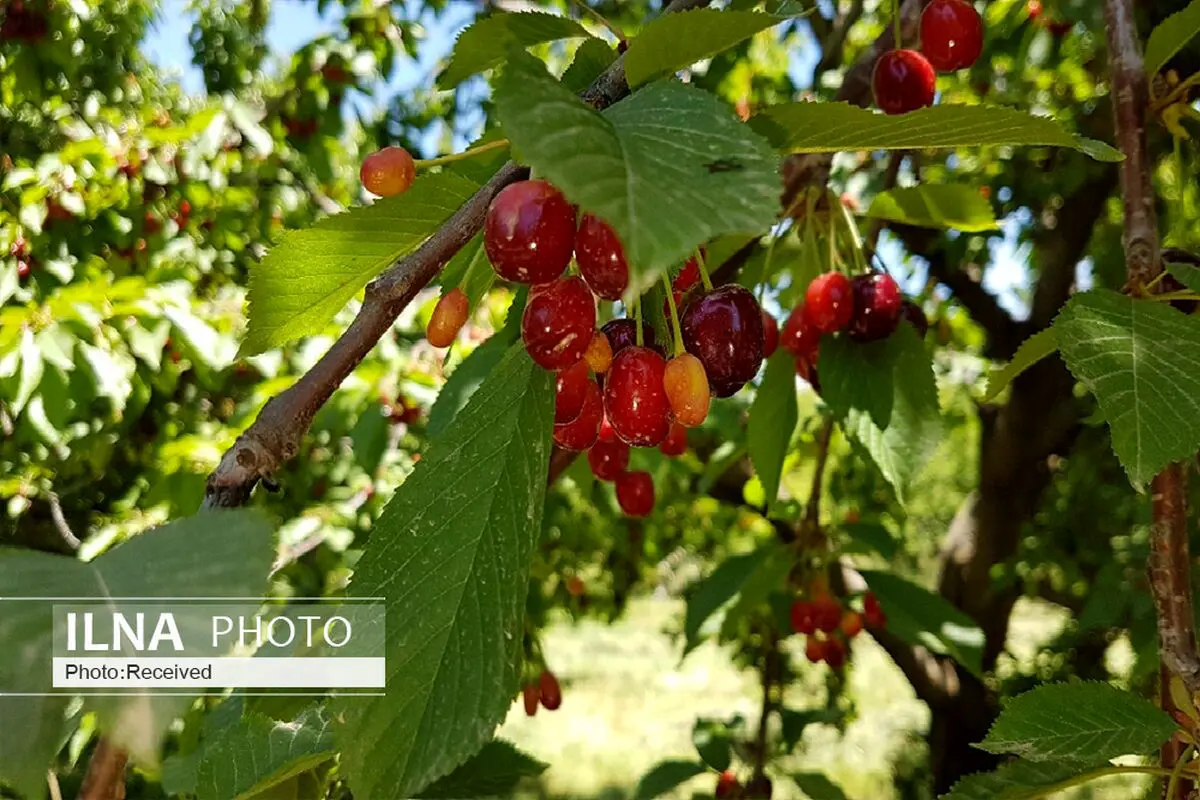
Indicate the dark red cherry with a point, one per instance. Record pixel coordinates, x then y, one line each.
601 258
581 433
550 691
727 785
622 333
914 315
829 302
803 620
835 653
608 459
570 391
826 612
529 233
558 324
873 614
724 329
800 337
635 401
877 303
951 34
903 81
635 493
676 443
530 696
759 788
770 334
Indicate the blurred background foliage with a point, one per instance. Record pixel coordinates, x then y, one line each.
131 212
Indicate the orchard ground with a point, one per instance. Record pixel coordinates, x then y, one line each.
629 703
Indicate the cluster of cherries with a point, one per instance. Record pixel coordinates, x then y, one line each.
729 788
22 23
545 691
951 39
866 308
830 626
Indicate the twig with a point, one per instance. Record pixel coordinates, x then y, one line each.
1169 564
812 513
105 778
60 523
770 667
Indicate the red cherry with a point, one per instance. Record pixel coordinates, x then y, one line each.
570 391
19 247
914 315
449 315
829 302
622 333
873 615
635 401
529 233
759 788
877 303
727 784
551 693
635 493
688 277
607 434
387 172
903 81
532 696
827 613
676 443
608 459
814 650
770 334
724 329
951 34
601 258
581 433
803 620
852 623
23 269
835 653
558 324
1034 8
800 337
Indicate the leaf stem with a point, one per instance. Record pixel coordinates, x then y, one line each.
707 281
613 29
1180 765
674 315
465 154
1087 777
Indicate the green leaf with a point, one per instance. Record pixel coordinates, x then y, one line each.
1032 350
935 206
1081 721
811 127
773 417
33 732
1170 35
665 189
1187 274
492 772
886 396
920 617
816 786
310 276
1138 357
793 722
870 537
674 41
713 741
708 595
234 562
451 556
591 59
488 42
1013 781
665 776
257 753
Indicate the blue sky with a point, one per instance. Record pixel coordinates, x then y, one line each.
295 22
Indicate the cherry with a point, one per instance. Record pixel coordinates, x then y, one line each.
877 302
727 784
852 623
622 333
532 696
570 391
448 317
19 248
770 334
873 615
558 323
834 652
724 329
687 390
607 434
635 400
814 650
608 459
635 493
1034 9
914 315
23 269
827 612
800 337
803 620
599 354
575 586
581 433
951 34
676 443
387 172
759 787
551 692
601 258
688 277
829 302
529 232
903 81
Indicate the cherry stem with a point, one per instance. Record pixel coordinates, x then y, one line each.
637 319
613 29
1167 297
465 154
896 22
1181 764
707 281
1179 211
674 315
